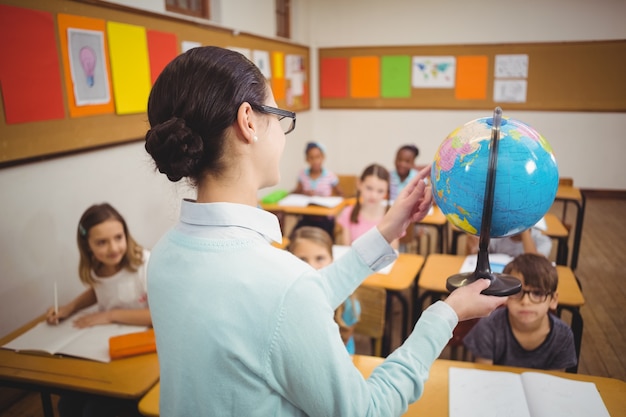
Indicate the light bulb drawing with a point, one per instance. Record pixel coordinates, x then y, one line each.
88 61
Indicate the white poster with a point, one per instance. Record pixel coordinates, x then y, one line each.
434 71
509 91
511 66
262 60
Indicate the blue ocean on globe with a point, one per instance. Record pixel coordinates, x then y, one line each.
527 177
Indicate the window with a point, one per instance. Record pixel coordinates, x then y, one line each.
197 8
283 21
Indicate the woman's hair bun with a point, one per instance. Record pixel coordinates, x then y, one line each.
176 149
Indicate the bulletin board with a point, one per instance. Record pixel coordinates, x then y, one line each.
50 122
563 76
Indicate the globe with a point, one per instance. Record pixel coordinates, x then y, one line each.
526 179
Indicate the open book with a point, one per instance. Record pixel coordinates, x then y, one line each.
475 392
65 339
497 262
301 200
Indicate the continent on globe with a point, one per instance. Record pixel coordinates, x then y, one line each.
527 177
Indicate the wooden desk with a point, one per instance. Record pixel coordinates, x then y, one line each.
439 221
401 277
437 269
311 210
554 229
127 379
435 401
569 194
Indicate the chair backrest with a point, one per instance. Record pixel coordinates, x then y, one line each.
373 302
347 183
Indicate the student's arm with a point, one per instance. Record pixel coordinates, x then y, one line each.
139 317
298 189
528 242
346 238
86 299
483 361
471 244
337 191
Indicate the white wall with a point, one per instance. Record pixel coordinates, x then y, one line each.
588 146
42 201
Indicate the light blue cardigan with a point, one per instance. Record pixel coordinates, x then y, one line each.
246 329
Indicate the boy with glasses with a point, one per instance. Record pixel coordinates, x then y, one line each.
524 333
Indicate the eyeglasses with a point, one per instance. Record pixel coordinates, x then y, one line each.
535 296
286 118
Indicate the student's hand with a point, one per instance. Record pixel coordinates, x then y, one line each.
411 206
469 303
88 320
53 317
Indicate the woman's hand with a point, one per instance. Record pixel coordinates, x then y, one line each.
469 303
411 206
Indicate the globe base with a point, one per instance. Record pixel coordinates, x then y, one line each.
502 285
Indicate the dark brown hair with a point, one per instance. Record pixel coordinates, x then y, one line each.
193 101
537 271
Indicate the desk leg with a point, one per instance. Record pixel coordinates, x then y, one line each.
579 231
562 252
577 330
46 403
388 316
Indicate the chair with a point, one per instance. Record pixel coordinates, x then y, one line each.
347 183
411 242
373 302
566 182
456 343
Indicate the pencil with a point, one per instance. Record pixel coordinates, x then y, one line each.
56 300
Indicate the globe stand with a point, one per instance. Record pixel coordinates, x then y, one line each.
501 284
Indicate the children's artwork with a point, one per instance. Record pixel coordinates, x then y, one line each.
511 66
187 45
509 91
243 51
76 32
88 66
262 60
434 71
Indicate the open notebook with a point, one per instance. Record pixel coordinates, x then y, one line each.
301 200
65 339
479 393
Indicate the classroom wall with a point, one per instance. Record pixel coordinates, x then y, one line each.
42 201
589 147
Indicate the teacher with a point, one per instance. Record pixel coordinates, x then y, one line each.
243 328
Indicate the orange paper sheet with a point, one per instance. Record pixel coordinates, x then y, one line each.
365 77
471 77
